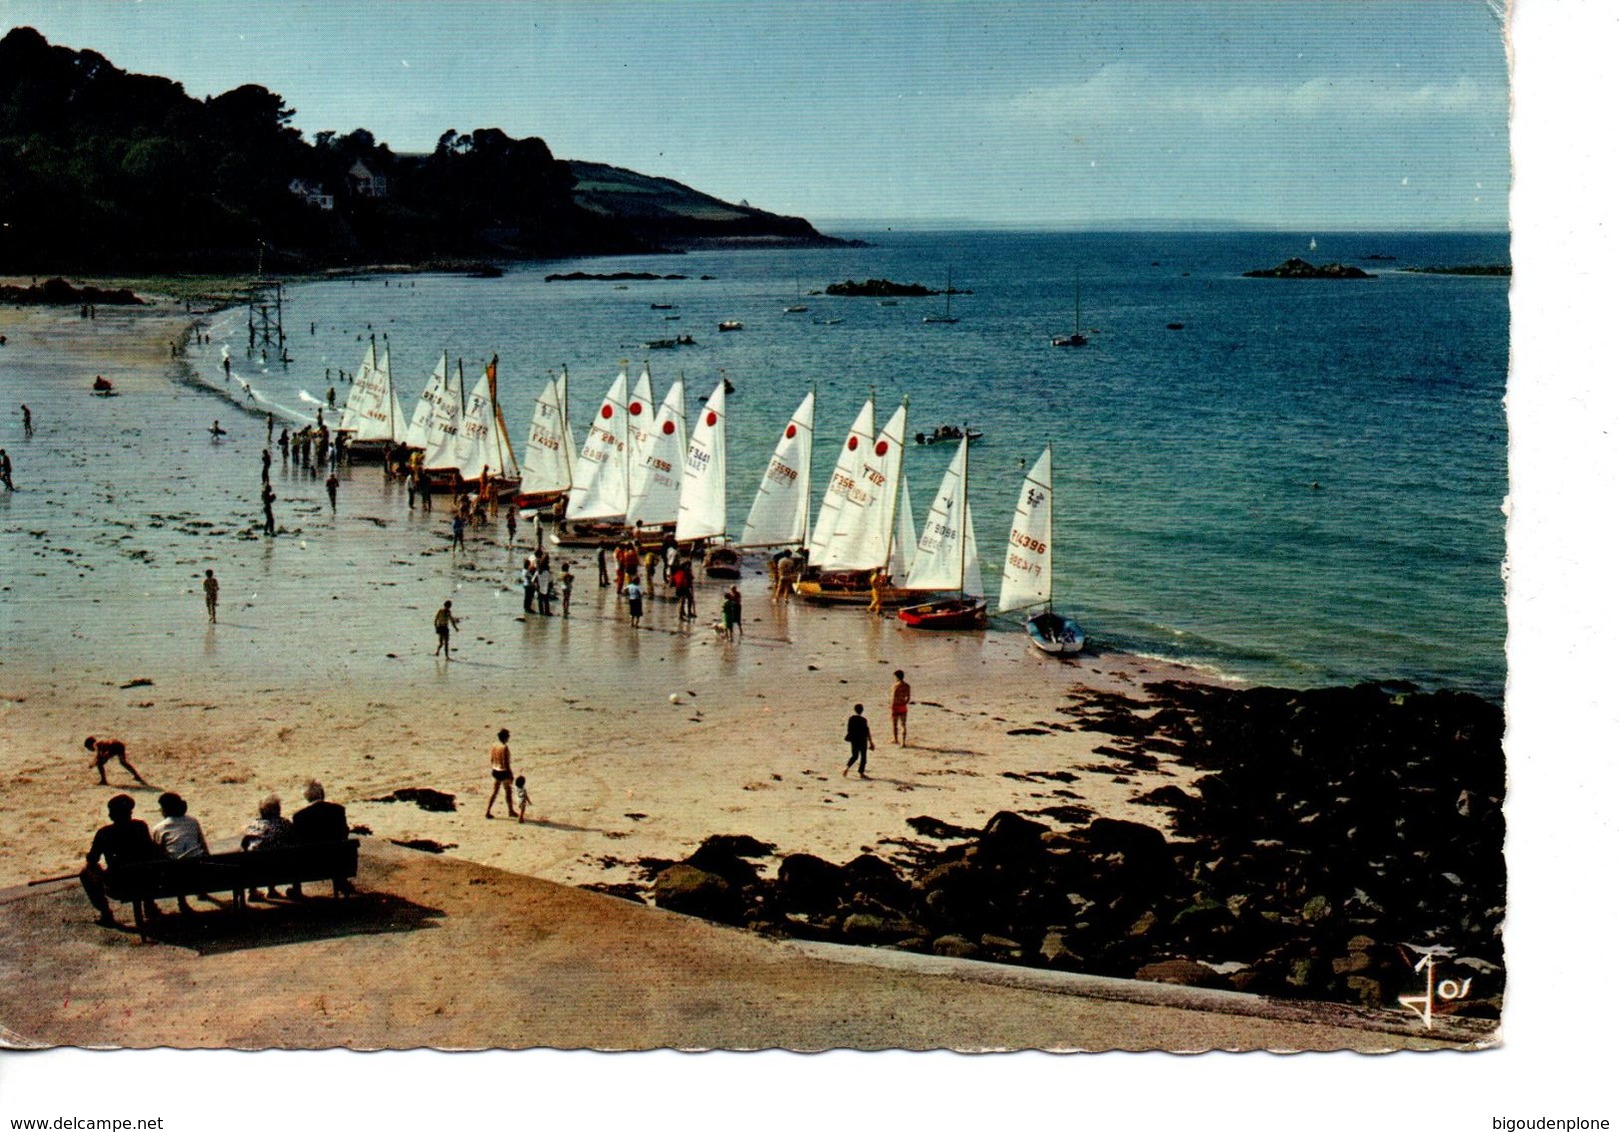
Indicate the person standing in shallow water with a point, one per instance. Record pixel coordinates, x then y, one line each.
331 489
632 594
268 497
210 594
857 733
500 769
27 422
443 622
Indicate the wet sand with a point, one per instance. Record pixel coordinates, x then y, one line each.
321 664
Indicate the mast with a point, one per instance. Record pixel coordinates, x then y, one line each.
966 447
809 474
899 478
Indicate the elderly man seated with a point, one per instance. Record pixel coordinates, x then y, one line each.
320 822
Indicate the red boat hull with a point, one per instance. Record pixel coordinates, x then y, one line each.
957 613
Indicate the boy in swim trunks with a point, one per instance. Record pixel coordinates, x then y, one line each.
899 707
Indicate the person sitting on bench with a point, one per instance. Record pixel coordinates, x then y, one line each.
268 831
123 842
320 822
179 834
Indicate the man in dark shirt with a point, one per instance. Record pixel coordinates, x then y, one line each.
858 735
320 822
123 842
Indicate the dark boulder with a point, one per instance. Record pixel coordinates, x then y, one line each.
693 892
805 881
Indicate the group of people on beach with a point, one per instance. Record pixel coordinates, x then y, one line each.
178 836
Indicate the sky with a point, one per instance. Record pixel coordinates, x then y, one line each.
1283 113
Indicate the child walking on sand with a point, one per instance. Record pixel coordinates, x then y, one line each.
522 797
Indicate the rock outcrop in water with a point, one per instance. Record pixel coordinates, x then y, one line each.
1332 836
1297 268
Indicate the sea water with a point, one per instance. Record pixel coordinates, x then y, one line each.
1303 485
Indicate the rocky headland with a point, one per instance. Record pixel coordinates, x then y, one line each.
1331 838
59 292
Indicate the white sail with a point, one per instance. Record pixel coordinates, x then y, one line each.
546 464
567 428
904 552
702 483
443 426
972 576
638 424
780 513
432 397
601 488
1026 577
855 448
396 418
371 411
940 548
482 443
655 480
863 537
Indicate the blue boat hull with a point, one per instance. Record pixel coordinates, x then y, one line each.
1055 634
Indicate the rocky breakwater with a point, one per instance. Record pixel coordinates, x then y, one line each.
1331 839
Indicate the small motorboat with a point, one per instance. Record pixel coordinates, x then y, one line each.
958 613
663 306
1055 634
949 432
731 324
101 387
796 308
723 562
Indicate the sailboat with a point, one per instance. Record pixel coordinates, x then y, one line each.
1026 577
1076 338
599 499
483 447
854 533
371 415
442 425
702 486
434 402
549 458
947 558
780 512
798 306
655 468
949 290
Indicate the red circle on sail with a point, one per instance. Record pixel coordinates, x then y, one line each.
882 447
668 427
711 419
854 442
635 408
607 410
792 431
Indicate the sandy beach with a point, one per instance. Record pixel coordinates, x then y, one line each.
321 662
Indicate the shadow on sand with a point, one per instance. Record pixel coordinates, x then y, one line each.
214 929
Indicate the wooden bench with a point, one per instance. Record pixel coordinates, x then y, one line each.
236 873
